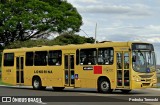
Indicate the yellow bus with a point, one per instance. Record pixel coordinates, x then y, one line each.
105 66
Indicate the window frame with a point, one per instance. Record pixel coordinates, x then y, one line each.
46 62
4 60
106 48
32 59
59 53
95 57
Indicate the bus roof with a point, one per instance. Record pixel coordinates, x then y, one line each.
71 46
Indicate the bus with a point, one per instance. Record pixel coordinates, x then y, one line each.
104 66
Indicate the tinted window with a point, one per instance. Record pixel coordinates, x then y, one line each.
77 57
8 59
55 57
105 56
40 58
29 58
88 56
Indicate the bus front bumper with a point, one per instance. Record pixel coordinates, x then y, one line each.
139 84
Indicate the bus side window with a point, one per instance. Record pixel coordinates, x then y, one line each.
77 57
55 57
88 56
8 59
40 58
29 58
105 56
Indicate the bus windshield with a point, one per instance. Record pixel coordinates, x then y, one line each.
143 61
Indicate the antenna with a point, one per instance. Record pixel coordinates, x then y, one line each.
85 33
95 33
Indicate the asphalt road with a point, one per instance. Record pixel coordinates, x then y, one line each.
80 96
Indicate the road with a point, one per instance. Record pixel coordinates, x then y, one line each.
78 96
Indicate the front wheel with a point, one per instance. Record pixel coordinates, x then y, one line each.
104 86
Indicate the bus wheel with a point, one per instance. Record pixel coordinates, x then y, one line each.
125 91
58 88
36 83
104 86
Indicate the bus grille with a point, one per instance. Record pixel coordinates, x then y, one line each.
145 84
145 76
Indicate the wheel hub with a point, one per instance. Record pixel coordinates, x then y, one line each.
104 85
36 83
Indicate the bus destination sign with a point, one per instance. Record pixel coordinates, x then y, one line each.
142 46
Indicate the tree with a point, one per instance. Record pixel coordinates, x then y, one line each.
21 20
63 39
67 38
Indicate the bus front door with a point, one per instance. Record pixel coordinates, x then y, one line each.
19 70
123 74
69 70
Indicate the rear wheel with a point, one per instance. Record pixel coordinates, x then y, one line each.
37 84
58 88
104 86
125 91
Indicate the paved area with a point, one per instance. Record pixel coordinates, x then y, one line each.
77 96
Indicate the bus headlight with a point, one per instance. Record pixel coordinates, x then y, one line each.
154 79
138 80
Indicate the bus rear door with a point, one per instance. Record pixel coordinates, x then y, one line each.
19 70
69 70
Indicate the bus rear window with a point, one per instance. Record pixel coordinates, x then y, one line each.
8 59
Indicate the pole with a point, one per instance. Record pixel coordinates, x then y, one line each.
95 33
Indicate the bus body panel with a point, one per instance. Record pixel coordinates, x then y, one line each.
84 76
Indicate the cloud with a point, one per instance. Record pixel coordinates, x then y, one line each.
110 9
96 6
134 20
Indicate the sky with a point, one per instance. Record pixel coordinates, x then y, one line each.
121 20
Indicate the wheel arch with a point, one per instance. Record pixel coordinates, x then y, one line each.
104 78
36 76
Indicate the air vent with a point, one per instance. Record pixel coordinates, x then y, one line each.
145 76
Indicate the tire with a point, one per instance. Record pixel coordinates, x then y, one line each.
104 86
125 91
37 84
58 88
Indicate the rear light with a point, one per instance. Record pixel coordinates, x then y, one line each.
126 80
120 80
